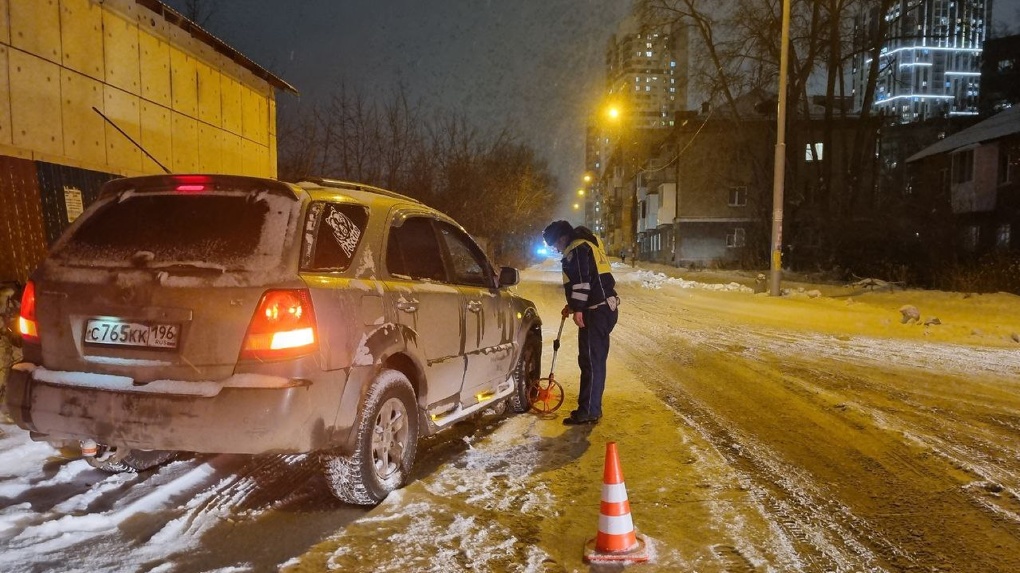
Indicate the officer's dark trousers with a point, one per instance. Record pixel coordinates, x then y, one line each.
592 352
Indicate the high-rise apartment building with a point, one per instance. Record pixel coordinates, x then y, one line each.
646 72
646 84
930 65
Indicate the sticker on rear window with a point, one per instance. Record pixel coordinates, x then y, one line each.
344 230
333 236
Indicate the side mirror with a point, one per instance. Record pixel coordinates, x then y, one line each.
509 276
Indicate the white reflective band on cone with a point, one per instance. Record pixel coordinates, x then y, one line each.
616 525
614 492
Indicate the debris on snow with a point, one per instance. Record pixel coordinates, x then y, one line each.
932 321
910 314
876 284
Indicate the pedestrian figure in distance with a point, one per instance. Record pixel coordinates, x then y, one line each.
623 256
590 290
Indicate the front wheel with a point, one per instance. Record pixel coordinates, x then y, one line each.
387 438
526 373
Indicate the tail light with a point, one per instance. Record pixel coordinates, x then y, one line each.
283 326
26 319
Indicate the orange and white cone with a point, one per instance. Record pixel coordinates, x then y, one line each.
616 540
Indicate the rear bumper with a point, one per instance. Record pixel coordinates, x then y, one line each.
241 418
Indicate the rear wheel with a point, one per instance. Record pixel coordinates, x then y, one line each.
116 461
526 373
385 445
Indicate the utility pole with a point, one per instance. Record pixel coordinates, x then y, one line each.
779 177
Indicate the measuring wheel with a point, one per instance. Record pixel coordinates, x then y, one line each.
545 395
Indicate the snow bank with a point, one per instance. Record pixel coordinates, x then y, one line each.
653 280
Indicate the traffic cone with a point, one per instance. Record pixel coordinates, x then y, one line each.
616 540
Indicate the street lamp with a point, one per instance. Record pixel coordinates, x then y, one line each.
580 192
779 176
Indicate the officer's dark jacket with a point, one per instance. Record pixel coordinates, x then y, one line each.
587 275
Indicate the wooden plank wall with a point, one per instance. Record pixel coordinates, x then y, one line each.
33 210
22 234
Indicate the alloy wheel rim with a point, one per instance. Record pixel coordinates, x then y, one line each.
389 438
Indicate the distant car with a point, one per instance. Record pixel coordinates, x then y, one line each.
225 314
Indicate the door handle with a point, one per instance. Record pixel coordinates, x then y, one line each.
407 305
474 306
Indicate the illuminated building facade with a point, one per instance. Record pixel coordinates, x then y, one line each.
646 67
930 65
646 73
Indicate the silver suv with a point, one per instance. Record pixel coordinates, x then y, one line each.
224 314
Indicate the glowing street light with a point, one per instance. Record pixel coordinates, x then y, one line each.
580 192
577 206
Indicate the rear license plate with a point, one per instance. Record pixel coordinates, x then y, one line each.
120 333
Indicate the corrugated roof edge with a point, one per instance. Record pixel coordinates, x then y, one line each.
199 33
337 184
1006 122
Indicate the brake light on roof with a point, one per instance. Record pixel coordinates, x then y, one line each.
192 183
283 326
26 318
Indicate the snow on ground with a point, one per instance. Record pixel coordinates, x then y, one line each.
516 495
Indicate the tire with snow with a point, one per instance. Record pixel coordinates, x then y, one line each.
131 461
387 439
526 372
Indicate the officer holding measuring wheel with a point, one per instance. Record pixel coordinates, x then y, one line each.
592 302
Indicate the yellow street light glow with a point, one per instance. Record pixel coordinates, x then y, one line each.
577 206
587 178
580 192
613 112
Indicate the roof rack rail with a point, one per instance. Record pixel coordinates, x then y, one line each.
338 184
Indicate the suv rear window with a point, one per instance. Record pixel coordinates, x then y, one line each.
225 230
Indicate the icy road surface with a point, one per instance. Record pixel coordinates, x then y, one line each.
755 433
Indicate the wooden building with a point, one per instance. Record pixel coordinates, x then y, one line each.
90 91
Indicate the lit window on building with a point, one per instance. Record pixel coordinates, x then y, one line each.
1009 163
736 238
969 236
963 166
814 151
1002 236
738 196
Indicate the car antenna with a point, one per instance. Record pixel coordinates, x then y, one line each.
138 145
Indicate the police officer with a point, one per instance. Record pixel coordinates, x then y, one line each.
592 302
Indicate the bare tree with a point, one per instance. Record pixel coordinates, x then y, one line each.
200 11
492 184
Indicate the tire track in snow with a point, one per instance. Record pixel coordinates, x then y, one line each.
148 515
993 458
963 443
803 517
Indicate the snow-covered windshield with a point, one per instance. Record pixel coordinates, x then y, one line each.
159 230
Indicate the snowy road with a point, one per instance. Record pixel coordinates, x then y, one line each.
755 434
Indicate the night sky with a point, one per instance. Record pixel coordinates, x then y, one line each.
536 65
